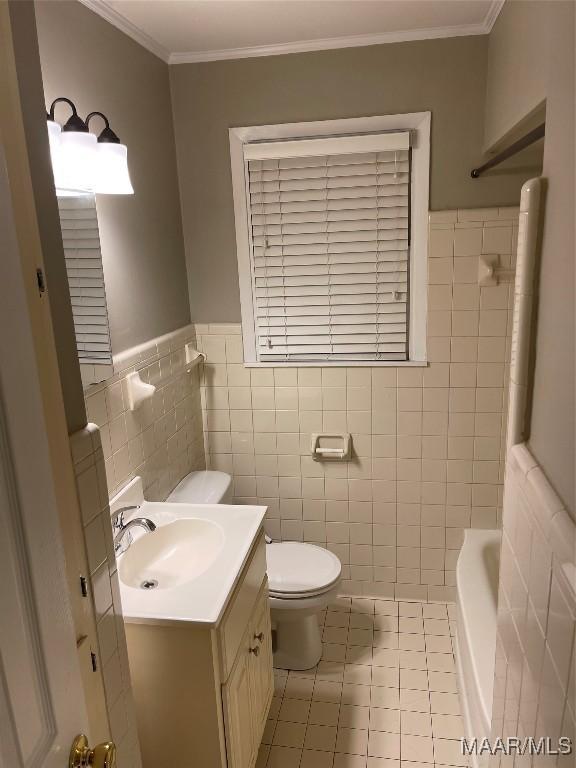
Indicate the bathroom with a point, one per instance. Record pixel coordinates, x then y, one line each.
350 487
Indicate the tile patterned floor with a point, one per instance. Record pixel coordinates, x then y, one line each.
383 696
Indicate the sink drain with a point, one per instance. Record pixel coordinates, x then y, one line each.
149 584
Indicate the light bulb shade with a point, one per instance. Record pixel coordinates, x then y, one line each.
112 176
54 132
75 169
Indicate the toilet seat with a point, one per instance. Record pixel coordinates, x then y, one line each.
297 570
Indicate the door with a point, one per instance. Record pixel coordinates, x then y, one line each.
238 711
42 704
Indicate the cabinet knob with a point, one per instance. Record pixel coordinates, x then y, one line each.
255 650
259 637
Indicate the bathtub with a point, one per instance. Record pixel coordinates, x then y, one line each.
477 596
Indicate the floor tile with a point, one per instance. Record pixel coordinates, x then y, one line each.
415 724
386 607
361 674
321 737
356 694
389 698
352 741
409 609
330 670
409 642
414 701
326 690
444 682
385 657
334 652
382 744
440 662
294 711
438 644
385 719
447 726
436 627
299 688
335 634
449 752
416 748
284 757
289 734
434 611
411 625
416 679
349 761
413 660
315 759
360 636
388 677
353 716
324 713
444 703
379 698
358 654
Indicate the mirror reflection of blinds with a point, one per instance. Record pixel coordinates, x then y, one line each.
329 248
81 240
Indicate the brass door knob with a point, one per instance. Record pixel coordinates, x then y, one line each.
102 756
259 637
255 650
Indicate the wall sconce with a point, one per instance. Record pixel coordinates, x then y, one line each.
82 164
112 176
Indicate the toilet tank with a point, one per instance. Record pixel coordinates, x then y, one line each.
205 487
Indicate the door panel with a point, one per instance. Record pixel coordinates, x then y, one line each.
238 710
261 674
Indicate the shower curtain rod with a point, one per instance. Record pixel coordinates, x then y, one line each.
513 149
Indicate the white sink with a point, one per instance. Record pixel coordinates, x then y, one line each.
187 568
172 555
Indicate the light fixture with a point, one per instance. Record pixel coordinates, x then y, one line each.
112 176
74 155
83 165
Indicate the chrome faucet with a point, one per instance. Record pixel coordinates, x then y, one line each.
120 527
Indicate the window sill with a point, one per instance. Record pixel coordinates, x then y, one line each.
343 364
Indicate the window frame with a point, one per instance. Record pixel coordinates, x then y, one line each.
418 123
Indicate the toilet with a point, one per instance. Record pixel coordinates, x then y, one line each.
302 578
203 488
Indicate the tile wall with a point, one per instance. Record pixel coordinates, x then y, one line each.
104 591
535 678
162 440
428 442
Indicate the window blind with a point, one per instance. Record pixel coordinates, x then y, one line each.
81 240
329 245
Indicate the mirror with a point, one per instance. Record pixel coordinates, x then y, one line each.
81 240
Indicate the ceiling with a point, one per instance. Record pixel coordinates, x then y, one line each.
183 31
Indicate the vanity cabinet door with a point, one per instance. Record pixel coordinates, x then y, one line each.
260 663
238 712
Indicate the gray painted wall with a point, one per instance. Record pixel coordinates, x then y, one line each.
99 68
447 77
548 41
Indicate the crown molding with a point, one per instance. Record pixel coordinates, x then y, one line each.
492 14
122 23
325 44
304 46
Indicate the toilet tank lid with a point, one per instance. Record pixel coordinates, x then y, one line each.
206 487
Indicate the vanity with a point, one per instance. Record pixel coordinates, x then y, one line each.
197 621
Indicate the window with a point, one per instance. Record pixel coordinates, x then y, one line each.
331 224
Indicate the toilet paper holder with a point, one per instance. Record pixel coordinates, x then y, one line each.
340 452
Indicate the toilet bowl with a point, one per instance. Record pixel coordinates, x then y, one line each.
303 578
